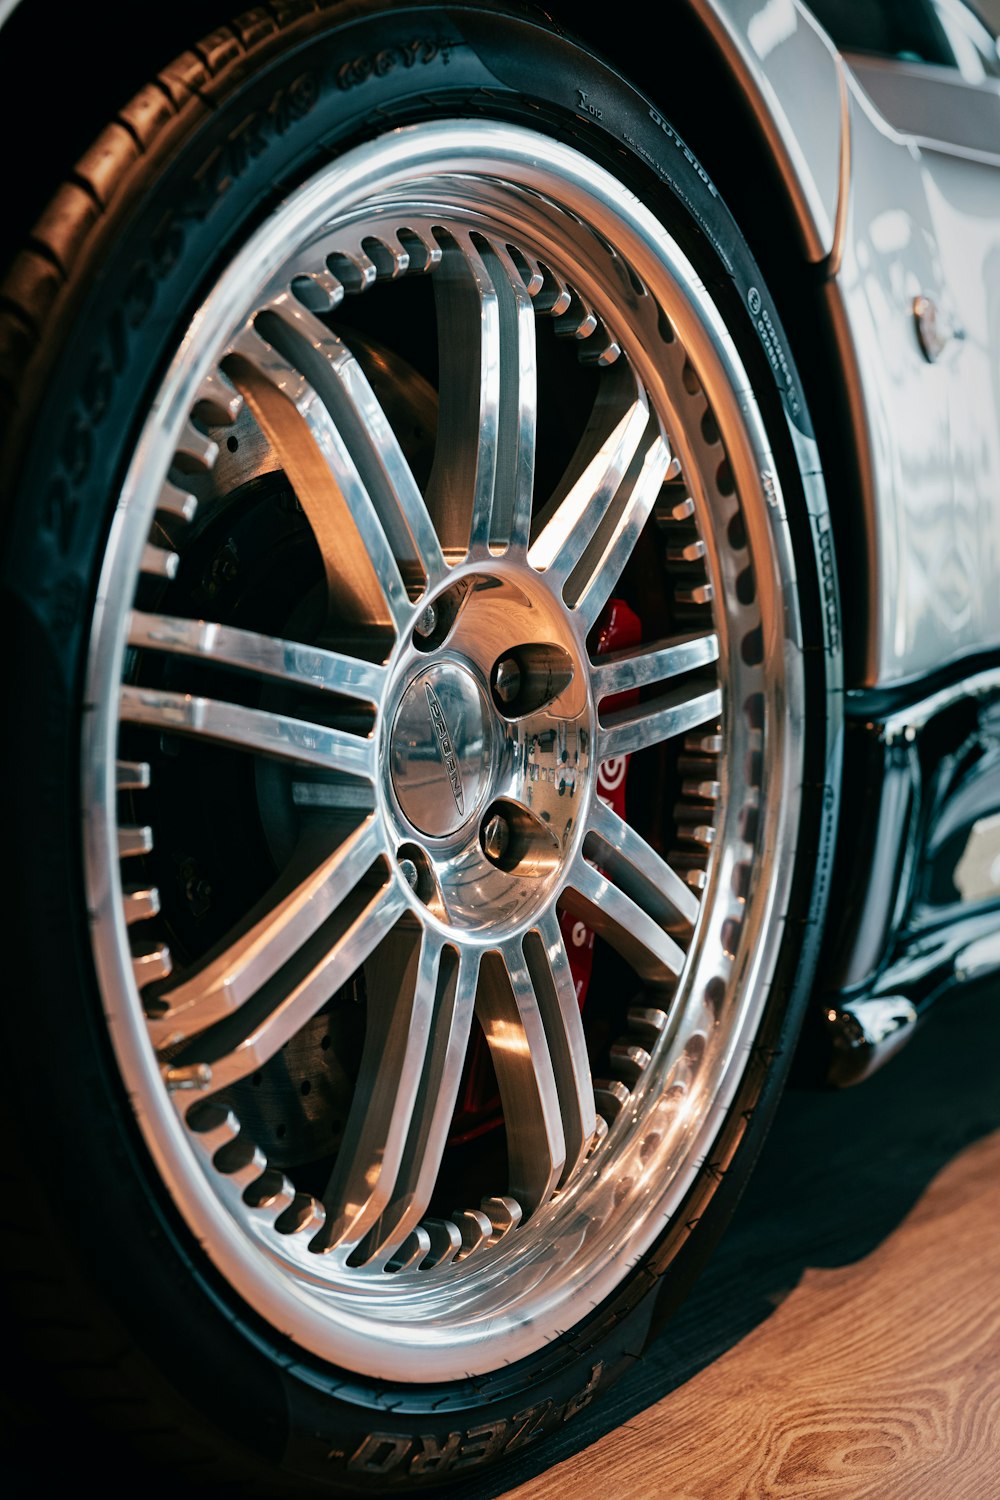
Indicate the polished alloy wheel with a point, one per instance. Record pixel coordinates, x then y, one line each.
362 774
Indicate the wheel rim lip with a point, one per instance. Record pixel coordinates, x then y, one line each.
331 1324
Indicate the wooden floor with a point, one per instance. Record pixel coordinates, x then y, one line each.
843 1343
879 1379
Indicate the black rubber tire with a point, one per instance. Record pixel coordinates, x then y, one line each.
104 1281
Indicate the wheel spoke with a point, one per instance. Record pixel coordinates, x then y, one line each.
622 922
420 1005
367 435
253 729
363 577
508 1008
552 980
683 708
635 868
641 666
282 923
585 533
591 585
481 484
248 1037
288 661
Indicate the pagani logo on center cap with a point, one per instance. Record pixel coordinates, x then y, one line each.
446 745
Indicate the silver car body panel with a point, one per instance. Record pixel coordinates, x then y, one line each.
935 107
791 73
905 159
928 432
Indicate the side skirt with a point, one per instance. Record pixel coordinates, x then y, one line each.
917 883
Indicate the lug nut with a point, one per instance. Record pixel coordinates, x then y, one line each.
426 621
507 679
408 870
495 837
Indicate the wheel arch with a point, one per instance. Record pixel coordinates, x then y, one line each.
783 168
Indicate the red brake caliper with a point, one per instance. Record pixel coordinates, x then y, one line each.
478 1108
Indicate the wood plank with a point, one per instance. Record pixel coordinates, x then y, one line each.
878 1380
842 1342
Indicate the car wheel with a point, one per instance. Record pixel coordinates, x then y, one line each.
427 697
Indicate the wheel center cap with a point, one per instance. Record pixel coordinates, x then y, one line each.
441 749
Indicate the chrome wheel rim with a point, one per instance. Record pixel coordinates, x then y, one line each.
443 801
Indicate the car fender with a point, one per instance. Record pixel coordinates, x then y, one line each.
925 412
924 427
793 79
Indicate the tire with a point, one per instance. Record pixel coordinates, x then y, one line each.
422 583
